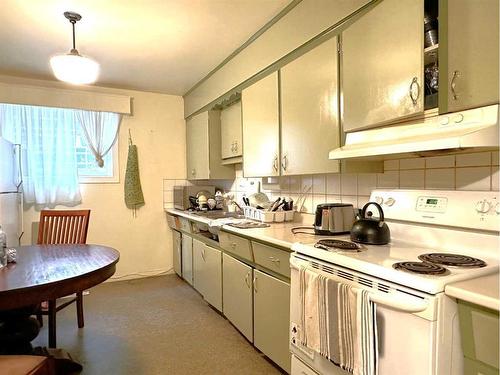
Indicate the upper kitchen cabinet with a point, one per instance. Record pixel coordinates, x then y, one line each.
309 111
203 148
382 65
261 128
231 138
468 54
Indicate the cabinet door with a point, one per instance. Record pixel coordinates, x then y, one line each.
187 259
212 276
230 118
177 252
260 116
199 271
382 65
237 294
272 318
468 52
197 147
309 111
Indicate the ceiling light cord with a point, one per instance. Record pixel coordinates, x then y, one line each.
73 25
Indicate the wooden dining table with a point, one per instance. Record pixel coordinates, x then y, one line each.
48 272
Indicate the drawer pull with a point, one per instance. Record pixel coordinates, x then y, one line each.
276 261
233 245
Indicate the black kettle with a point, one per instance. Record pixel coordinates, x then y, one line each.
369 230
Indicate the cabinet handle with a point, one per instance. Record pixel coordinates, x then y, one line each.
255 284
276 261
275 163
193 172
233 245
284 163
236 146
453 85
203 255
247 280
414 82
233 148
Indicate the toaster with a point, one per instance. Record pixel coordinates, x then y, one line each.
333 218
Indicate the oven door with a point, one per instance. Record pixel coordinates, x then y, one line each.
406 320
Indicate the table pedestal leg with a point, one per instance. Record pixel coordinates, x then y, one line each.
17 330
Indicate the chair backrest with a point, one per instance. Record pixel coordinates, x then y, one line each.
63 227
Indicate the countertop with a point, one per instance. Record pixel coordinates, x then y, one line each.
277 234
483 291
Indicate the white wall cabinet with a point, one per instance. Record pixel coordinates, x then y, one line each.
468 54
309 112
203 148
237 294
187 258
177 252
272 318
382 65
207 273
261 128
231 132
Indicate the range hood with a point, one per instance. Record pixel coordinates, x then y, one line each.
474 128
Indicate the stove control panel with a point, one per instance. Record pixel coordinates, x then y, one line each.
431 204
465 209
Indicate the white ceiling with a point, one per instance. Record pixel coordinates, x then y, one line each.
153 45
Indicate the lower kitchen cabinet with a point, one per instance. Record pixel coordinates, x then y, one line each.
237 294
187 258
177 252
272 318
207 273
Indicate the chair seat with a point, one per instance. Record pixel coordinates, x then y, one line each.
24 365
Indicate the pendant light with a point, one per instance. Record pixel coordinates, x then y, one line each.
73 67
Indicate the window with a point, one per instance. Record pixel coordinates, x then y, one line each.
88 170
58 147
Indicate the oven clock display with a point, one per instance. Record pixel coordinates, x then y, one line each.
432 204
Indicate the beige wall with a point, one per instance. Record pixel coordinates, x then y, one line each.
158 130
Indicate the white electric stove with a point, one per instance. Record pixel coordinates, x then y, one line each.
456 228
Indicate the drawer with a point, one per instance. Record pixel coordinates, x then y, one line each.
472 367
237 245
173 222
298 367
185 224
479 328
272 258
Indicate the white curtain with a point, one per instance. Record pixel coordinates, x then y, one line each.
101 131
47 136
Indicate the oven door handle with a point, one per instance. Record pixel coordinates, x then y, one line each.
411 305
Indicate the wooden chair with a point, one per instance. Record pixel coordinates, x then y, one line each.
62 227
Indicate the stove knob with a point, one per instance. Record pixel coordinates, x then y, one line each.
483 206
390 201
379 200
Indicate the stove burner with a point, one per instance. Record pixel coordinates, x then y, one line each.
423 268
338 245
452 260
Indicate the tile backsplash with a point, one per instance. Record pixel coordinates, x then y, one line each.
471 171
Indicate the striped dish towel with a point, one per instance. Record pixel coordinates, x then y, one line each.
338 321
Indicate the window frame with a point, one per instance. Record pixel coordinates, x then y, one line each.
105 179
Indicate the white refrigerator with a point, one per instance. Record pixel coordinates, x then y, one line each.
10 193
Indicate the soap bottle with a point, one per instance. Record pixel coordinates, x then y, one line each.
3 248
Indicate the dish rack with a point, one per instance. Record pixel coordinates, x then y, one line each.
265 216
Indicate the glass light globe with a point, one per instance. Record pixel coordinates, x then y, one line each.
74 68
